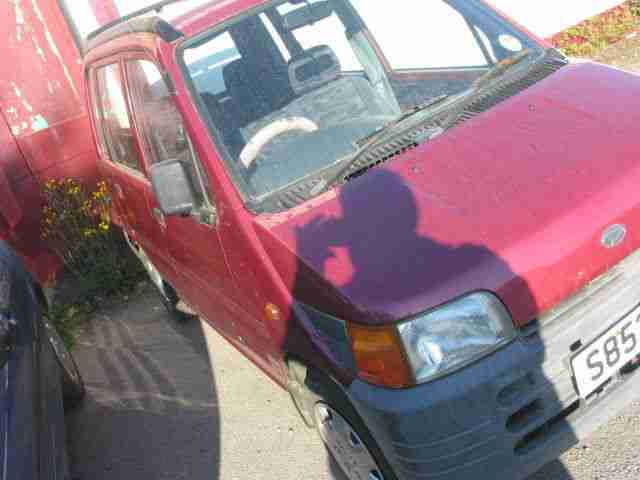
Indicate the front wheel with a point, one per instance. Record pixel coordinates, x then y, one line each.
346 446
178 310
324 404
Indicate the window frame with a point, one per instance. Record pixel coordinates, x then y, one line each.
202 177
98 113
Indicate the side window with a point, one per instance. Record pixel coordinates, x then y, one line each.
160 122
113 117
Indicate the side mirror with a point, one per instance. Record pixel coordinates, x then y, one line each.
173 187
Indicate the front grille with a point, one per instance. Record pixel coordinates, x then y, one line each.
537 437
612 283
547 397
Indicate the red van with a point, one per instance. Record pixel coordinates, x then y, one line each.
417 217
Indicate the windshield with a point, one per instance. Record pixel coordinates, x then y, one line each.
291 91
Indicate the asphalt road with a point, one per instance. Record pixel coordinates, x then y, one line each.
168 401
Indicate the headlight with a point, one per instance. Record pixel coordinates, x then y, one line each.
454 335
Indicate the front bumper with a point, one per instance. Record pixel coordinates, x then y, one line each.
509 414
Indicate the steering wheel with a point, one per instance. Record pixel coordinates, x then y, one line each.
266 134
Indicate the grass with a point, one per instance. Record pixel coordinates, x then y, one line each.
592 36
73 303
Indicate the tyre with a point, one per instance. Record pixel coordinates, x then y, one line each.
341 429
177 309
73 391
172 303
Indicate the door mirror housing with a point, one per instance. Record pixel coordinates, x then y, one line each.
173 187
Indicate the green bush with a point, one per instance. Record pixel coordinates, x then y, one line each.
76 226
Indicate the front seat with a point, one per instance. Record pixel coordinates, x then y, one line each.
256 90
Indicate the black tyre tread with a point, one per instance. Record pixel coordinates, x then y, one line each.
170 300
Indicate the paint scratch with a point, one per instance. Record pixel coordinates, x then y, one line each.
54 48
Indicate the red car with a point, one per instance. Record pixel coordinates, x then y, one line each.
417 217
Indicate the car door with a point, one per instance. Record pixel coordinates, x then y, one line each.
20 409
122 165
203 278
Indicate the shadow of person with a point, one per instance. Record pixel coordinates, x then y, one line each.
385 251
382 256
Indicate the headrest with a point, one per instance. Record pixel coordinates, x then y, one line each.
313 68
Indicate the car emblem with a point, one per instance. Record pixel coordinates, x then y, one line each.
614 236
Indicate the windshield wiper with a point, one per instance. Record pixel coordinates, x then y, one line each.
501 67
364 141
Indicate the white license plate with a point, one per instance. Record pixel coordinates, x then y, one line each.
606 356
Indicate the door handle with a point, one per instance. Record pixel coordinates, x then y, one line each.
159 216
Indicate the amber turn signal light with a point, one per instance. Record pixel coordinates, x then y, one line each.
380 357
272 313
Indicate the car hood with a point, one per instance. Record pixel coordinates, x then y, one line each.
514 201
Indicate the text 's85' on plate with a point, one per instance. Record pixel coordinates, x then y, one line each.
603 358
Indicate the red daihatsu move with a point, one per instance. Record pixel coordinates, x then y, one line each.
417 217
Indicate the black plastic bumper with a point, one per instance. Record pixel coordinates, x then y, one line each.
502 418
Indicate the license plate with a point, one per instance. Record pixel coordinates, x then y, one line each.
601 360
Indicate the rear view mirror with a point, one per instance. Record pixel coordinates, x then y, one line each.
307 15
173 187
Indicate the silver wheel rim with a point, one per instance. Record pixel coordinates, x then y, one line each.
155 276
345 445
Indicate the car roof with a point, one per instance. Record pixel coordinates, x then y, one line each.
154 25
191 21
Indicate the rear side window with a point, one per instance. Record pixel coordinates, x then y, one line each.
113 117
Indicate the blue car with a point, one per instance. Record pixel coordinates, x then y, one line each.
38 380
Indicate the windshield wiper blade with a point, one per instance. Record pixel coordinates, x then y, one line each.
501 67
364 141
